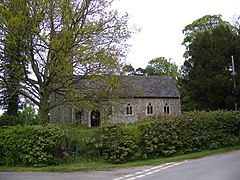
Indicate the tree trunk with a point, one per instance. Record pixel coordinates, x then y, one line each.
44 107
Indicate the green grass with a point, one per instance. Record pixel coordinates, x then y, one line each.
82 164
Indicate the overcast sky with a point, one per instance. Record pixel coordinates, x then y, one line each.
162 21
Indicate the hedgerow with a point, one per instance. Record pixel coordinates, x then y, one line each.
43 145
116 143
168 135
30 145
159 137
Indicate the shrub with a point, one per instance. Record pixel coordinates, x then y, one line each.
215 129
26 117
80 141
159 137
8 120
31 145
166 136
117 143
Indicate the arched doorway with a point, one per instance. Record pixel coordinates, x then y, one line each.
95 118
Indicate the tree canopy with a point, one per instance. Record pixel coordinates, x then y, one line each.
58 41
11 53
156 67
207 81
205 23
162 67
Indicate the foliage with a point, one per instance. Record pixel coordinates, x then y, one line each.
29 116
207 80
11 57
156 67
167 135
158 137
8 120
205 23
130 71
26 117
215 129
162 67
161 136
77 142
59 41
31 145
117 143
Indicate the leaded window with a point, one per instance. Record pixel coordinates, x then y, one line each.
129 109
166 109
149 109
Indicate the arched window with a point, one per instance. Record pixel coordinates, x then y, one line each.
150 109
129 110
166 109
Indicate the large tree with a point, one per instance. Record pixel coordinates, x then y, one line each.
65 41
156 67
11 54
207 71
162 67
205 23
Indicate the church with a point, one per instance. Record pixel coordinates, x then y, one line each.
139 97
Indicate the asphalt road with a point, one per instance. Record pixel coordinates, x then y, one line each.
218 167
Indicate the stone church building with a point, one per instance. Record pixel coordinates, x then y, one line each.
140 96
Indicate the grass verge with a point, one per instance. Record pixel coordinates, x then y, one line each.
84 165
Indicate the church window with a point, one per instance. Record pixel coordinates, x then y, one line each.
149 109
129 110
166 109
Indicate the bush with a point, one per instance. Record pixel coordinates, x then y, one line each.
167 135
8 120
79 141
214 129
117 143
26 117
153 137
159 137
31 145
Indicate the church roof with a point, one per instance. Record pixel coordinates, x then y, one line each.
130 87
148 87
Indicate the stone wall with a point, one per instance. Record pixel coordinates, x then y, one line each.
123 110
140 108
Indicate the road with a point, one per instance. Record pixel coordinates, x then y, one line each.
218 167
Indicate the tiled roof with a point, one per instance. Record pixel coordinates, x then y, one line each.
133 86
148 86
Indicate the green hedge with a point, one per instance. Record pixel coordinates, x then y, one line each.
117 143
159 137
39 145
167 135
31 145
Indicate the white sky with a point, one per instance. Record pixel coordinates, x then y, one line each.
162 22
